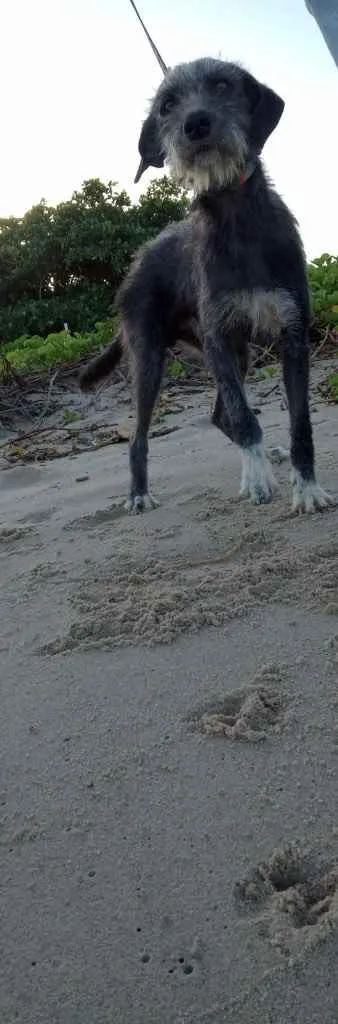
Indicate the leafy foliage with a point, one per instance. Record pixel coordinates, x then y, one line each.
63 264
332 384
323 277
177 369
79 307
28 354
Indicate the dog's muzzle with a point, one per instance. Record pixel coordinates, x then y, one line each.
197 126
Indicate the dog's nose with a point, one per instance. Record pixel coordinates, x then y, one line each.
197 125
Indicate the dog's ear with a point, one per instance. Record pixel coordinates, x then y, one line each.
149 146
266 109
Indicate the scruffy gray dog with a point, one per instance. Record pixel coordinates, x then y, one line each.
233 270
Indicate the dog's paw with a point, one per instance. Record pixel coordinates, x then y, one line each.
307 495
258 482
141 503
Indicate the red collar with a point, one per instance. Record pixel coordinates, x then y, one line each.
251 167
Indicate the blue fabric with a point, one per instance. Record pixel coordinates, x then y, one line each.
325 13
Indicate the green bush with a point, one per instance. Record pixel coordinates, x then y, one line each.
323 278
64 263
176 369
30 354
332 387
79 307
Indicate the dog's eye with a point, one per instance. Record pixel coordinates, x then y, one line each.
223 85
220 85
167 105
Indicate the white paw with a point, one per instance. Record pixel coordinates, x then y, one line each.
258 481
141 503
307 495
278 454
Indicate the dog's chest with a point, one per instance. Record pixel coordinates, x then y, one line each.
266 311
234 282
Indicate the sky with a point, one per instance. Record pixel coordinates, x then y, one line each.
76 77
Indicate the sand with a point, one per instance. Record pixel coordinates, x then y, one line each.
169 729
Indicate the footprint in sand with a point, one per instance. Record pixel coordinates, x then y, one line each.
294 896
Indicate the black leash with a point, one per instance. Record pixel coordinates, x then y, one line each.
163 66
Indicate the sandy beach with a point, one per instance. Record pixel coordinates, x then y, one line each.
169 729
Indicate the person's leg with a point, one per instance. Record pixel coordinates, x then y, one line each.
325 13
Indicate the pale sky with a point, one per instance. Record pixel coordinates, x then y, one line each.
76 77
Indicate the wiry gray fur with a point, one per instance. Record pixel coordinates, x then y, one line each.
234 269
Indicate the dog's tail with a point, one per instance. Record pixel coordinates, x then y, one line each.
102 365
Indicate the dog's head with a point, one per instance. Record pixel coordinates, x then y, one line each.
208 119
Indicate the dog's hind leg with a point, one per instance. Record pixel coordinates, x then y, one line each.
307 495
148 368
234 417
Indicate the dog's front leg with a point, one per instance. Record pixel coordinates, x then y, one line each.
234 418
307 495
